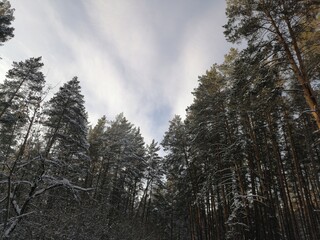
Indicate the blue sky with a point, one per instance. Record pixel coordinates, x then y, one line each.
139 57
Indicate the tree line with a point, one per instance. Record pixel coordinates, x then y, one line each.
243 164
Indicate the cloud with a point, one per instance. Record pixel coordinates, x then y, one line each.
137 57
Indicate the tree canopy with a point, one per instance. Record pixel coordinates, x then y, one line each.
244 163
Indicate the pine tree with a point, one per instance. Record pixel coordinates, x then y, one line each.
126 149
286 32
62 163
20 97
98 165
66 135
6 18
181 187
153 176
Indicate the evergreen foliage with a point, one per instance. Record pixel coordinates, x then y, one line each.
243 164
6 18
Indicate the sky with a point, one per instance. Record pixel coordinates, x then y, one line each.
137 57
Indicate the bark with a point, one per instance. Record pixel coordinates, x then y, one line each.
297 67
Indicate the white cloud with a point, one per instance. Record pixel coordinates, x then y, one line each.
202 45
141 58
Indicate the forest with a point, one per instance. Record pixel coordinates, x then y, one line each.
243 164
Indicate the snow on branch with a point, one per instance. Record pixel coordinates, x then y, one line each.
53 183
14 221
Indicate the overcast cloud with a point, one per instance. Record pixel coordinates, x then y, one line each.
139 57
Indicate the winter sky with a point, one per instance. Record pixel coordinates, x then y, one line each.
139 57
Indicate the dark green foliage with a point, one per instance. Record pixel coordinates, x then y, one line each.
243 164
6 18
239 165
66 132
